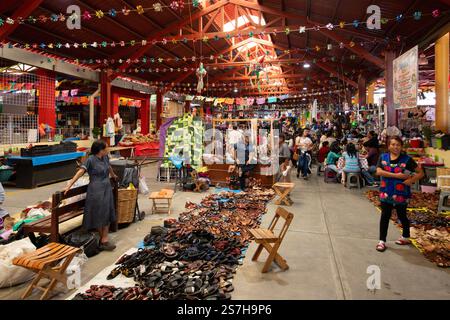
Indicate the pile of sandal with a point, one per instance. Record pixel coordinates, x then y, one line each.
418 199
434 243
429 229
193 257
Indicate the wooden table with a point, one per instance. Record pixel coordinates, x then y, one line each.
282 189
166 195
122 151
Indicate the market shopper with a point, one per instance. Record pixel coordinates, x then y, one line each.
304 148
373 151
244 156
333 156
396 170
351 161
99 210
284 152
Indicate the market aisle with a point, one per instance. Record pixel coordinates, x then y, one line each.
18 199
329 246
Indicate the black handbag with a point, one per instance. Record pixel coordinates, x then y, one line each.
87 241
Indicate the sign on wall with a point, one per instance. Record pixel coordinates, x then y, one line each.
406 76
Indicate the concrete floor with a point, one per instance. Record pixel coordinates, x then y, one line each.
329 246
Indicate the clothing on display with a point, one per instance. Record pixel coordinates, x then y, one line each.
185 137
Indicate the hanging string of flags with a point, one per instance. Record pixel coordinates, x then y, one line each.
251 101
216 58
76 14
240 35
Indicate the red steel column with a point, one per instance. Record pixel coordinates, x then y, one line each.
145 116
105 95
115 104
46 97
159 106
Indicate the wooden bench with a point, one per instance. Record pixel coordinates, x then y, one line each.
50 261
271 242
62 215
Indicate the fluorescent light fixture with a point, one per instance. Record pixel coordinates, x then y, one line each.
306 65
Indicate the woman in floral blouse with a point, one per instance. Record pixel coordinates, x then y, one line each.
398 173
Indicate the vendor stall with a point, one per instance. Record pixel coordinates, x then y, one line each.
37 171
264 141
143 145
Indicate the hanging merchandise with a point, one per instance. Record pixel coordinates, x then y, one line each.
260 101
314 109
201 73
255 70
110 130
185 137
118 121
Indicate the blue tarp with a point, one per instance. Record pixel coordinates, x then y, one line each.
72 139
39 161
217 190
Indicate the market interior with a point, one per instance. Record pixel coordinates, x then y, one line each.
229 149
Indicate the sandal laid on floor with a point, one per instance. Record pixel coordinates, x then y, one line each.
381 247
403 242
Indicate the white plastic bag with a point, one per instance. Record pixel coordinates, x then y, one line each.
143 188
11 275
73 271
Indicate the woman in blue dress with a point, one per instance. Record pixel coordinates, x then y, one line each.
99 210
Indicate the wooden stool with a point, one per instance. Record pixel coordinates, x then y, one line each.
283 189
166 195
47 262
265 238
